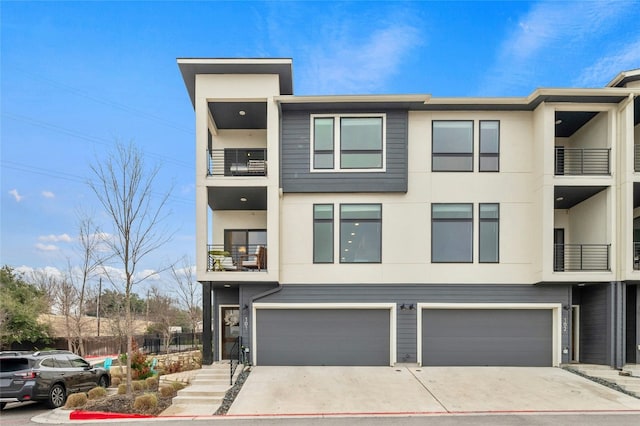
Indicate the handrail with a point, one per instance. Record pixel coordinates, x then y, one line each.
236 252
233 363
582 161
237 162
581 257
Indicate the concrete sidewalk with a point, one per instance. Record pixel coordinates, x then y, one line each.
395 390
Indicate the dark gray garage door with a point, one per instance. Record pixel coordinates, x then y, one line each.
322 336
507 337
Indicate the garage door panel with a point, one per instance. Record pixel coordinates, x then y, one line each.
496 337
322 336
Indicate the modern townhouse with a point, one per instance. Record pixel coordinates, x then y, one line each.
376 230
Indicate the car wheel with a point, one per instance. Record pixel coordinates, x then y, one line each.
2 405
103 382
57 396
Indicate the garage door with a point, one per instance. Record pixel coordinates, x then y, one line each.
322 337
509 337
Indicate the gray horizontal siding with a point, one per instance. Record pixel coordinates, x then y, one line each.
406 331
295 160
595 325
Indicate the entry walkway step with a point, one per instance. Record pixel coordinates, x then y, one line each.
205 393
626 378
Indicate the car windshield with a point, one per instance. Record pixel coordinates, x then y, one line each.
13 364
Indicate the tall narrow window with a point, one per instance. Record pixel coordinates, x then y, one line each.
452 146
360 233
360 142
323 233
323 144
489 232
489 146
452 233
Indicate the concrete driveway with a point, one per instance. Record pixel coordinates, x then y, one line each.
402 390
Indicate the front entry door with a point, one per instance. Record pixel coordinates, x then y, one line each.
229 330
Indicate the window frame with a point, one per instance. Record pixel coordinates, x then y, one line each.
337 143
332 222
379 205
453 154
461 220
482 220
488 154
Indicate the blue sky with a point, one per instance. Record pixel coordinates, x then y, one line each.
78 76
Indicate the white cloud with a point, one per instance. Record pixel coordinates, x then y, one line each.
16 195
607 67
341 63
46 247
551 38
48 194
65 238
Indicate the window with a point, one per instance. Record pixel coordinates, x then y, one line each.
360 233
489 146
323 233
452 146
452 233
323 143
489 233
240 242
359 140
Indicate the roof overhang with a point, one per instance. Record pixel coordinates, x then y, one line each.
625 77
190 67
352 102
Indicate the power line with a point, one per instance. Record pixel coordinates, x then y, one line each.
73 178
75 134
108 102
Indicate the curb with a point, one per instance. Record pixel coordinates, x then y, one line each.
100 415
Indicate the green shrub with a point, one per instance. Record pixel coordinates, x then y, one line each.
76 400
97 392
177 386
145 402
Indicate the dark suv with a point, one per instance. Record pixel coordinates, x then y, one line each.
46 376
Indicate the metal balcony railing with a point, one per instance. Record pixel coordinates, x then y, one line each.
239 257
237 162
582 161
581 257
636 256
636 157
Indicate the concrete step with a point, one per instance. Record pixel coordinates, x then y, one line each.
196 390
190 410
197 400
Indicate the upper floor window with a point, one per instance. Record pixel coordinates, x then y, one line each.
489 146
452 146
323 233
360 233
348 143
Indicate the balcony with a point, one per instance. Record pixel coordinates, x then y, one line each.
581 257
582 161
237 162
237 258
636 157
636 256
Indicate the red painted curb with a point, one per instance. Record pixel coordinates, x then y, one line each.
100 415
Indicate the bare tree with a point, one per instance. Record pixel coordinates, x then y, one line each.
89 241
124 187
47 283
164 315
189 293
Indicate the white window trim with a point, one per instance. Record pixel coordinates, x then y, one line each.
391 307
556 309
336 138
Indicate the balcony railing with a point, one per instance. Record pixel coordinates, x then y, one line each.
636 157
239 257
237 162
582 161
581 257
636 256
